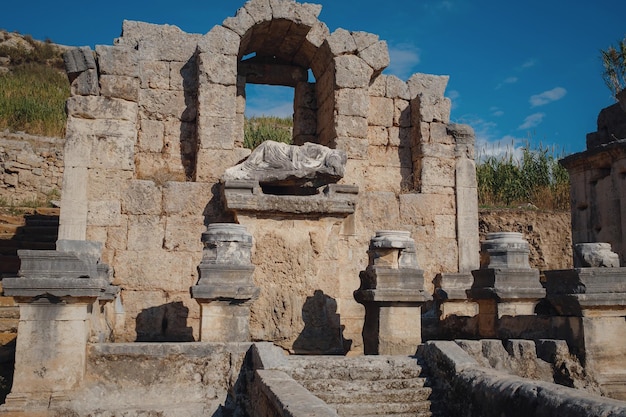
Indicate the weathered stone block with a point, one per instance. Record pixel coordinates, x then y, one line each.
107 184
117 60
97 107
341 42
183 234
397 89
352 72
381 111
422 208
378 135
390 156
162 104
216 132
437 172
150 136
376 56
118 86
217 68
402 138
428 87
379 178
111 152
144 270
401 113
142 197
259 10
355 148
213 162
85 84
215 100
351 126
92 128
352 102
145 232
445 226
378 86
241 22
77 60
380 207
104 213
220 40
154 74
184 76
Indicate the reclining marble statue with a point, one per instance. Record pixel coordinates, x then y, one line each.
280 164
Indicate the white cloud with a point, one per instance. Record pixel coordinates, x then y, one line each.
531 121
504 146
403 59
546 97
529 64
509 80
453 94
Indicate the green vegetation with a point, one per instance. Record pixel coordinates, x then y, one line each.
614 63
260 129
536 178
33 92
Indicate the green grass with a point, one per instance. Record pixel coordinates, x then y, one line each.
33 92
535 179
260 129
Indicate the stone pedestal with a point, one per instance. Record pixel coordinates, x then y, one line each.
392 291
56 291
225 288
505 285
592 302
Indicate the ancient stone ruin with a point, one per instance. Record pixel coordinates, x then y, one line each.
193 276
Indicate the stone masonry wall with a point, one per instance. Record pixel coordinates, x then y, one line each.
155 119
31 167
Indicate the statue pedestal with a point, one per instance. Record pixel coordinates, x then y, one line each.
392 291
225 288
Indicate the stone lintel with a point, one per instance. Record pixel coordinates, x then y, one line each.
56 287
400 297
52 264
246 196
586 281
216 274
597 157
506 295
452 286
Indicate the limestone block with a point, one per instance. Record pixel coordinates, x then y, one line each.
381 111
150 136
154 74
118 86
77 60
351 126
213 162
378 86
145 270
378 178
422 208
341 42
97 233
376 56
117 60
439 111
162 104
107 184
378 135
259 10
437 172
396 88
428 87
318 34
98 107
241 22
380 208
103 213
390 156
354 148
439 134
142 197
113 153
167 43
435 150
216 132
402 138
73 217
401 113
183 234
220 40
352 102
85 83
364 39
467 215
217 68
184 76
445 226
78 150
400 330
215 100
145 232
95 128
224 322
352 72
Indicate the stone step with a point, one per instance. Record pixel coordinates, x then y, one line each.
369 368
383 409
331 385
400 396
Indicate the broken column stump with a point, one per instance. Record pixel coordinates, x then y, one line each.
392 291
505 284
225 288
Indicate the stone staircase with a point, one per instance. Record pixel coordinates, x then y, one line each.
367 385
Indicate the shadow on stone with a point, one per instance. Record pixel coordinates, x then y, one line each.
7 366
164 323
322 333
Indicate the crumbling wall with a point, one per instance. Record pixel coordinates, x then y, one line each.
31 167
156 119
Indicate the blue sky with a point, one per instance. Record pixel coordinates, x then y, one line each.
518 70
